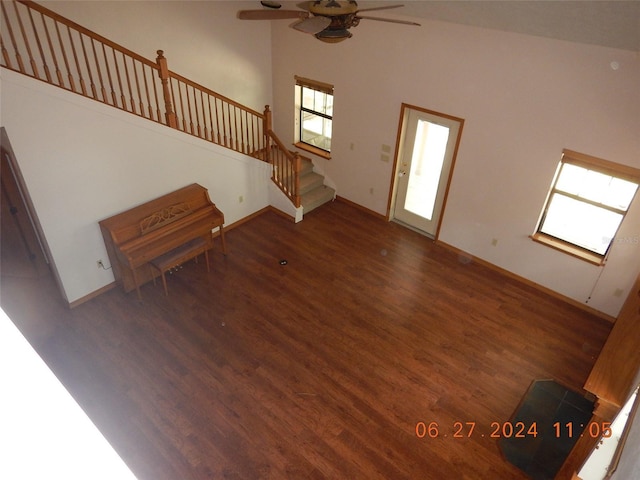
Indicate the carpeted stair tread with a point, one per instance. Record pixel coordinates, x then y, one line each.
306 166
316 197
310 181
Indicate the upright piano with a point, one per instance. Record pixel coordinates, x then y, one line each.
135 237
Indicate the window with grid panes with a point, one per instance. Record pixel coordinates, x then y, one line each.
588 201
314 115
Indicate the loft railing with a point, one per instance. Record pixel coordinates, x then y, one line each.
38 42
199 111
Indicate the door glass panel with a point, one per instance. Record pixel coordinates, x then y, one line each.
426 167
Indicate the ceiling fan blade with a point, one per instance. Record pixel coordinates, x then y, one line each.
312 25
305 5
271 14
388 7
379 19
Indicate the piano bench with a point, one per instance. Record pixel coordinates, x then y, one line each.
179 255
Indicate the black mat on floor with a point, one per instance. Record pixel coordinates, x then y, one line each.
546 402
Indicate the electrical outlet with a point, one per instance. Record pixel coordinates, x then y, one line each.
240 199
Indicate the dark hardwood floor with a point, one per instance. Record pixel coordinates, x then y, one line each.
317 369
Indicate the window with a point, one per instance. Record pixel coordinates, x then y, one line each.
314 116
586 205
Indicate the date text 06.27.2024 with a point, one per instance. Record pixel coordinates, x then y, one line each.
512 430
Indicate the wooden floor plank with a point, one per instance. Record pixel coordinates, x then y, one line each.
317 369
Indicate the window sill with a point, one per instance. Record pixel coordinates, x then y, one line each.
315 150
567 248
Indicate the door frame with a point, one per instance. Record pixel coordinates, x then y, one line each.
396 161
32 228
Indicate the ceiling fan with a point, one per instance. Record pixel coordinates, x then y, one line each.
327 20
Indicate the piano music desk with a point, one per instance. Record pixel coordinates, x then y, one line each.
177 225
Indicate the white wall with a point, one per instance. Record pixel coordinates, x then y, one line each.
202 40
523 99
83 161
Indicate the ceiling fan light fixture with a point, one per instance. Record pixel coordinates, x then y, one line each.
333 35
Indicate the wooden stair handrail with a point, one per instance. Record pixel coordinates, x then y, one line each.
211 92
286 169
206 114
95 67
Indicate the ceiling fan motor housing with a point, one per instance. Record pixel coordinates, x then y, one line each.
331 8
343 17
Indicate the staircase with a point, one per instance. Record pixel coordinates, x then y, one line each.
313 191
115 76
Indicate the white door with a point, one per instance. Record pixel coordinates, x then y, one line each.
425 158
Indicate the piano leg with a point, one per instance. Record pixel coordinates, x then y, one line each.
206 259
224 244
137 282
164 283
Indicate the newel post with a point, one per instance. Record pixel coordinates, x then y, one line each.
163 73
297 166
267 133
268 123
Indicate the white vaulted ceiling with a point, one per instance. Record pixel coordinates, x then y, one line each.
609 23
